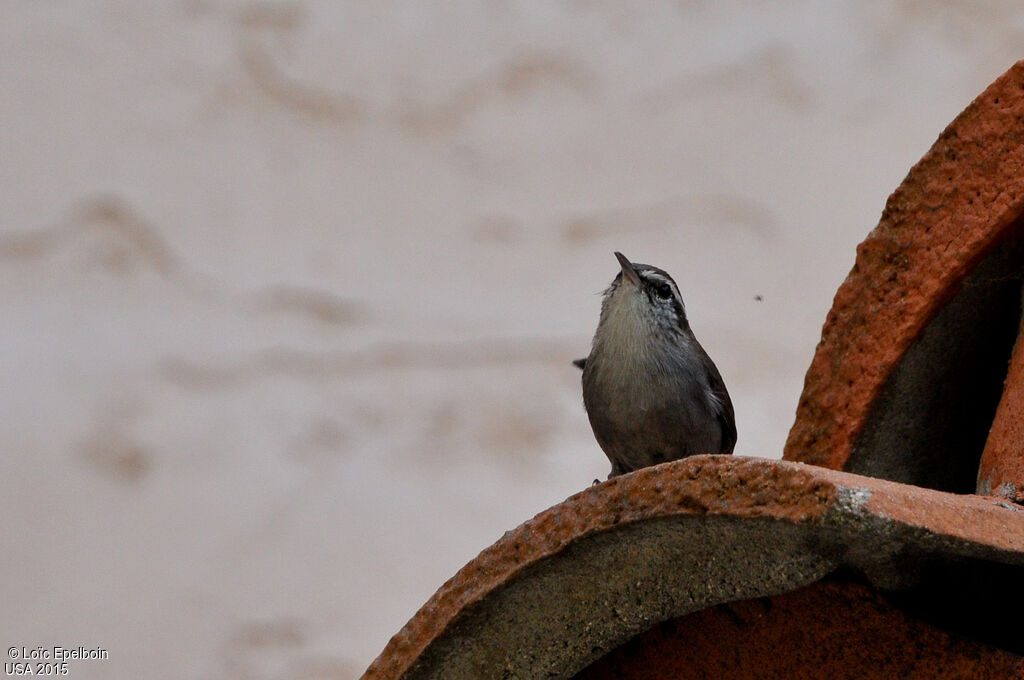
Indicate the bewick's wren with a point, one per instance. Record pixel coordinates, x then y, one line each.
651 391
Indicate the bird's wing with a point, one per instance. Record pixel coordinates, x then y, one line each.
726 415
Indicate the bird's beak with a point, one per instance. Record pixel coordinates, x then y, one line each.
628 273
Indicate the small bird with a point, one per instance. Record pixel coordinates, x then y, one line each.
651 391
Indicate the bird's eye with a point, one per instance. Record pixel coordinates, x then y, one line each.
663 290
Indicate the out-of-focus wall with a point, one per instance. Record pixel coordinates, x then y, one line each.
289 290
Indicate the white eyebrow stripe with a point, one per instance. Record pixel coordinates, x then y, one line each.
652 275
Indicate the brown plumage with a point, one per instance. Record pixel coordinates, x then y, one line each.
651 391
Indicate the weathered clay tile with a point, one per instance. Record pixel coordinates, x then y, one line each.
875 398
1002 463
585 576
830 629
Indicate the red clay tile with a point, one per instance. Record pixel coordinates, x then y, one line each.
1002 463
583 577
829 629
958 203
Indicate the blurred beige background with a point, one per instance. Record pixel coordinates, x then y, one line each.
290 289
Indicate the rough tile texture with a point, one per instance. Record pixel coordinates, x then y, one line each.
847 628
928 425
958 203
1001 471
587 575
